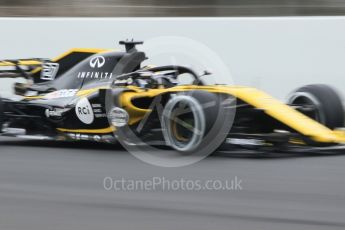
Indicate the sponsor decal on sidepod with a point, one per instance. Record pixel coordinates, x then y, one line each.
84 111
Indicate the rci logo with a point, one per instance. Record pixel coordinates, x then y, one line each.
97 62
84 111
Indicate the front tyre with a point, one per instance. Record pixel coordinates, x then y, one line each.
325 102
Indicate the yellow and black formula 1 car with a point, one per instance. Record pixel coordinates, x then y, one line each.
105 95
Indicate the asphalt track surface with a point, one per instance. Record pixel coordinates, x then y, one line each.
49 185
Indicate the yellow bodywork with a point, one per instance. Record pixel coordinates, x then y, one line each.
89 131
252 96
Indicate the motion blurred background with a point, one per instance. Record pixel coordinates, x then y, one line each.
261 52
168 8
49 185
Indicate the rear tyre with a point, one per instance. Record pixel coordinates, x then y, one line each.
327 104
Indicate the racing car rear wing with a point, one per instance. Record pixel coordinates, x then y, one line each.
43 69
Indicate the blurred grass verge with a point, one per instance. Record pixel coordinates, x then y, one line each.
169 8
